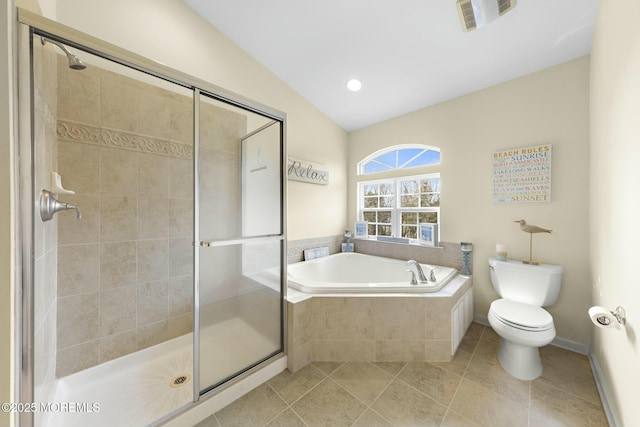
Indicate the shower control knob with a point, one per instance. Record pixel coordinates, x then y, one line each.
49 205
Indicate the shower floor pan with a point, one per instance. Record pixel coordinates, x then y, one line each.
137 389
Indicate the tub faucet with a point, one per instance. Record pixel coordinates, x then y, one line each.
421 276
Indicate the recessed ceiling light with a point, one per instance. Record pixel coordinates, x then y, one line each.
354 85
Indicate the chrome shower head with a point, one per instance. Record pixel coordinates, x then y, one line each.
74 62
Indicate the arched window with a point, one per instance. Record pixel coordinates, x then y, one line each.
399 157
397 206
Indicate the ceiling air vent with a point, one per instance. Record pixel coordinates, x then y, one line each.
465 10
478 13
505 6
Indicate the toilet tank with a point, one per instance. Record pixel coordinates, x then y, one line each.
532 284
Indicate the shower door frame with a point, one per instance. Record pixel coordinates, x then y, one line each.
29 25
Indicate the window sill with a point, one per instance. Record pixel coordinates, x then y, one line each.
398 241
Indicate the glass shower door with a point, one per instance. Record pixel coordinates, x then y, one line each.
241 240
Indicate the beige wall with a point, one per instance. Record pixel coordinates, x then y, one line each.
615 209
547 107
197 48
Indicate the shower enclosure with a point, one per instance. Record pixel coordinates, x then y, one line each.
153 233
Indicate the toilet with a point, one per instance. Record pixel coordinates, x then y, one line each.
518 316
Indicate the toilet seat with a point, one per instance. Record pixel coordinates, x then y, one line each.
521 316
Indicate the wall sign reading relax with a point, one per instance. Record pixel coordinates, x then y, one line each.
522 175
304 172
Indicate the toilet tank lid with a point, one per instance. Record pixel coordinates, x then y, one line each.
553 269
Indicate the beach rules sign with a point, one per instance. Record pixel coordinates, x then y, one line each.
522 175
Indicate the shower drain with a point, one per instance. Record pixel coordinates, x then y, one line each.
180 380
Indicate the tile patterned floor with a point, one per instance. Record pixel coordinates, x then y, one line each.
472 390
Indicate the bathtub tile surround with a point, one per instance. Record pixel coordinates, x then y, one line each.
296 248
393 328
448 254
470 390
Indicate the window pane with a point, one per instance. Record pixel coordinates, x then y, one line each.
370 202
370 189
400 158
384 217
409 201
386 202
407 154
409 187
429 157
386 188
429 200
430 185
429 217
387 159
369 216
384 230
409 232
371 229
372 167
409 217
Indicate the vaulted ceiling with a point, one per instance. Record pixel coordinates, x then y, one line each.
409 54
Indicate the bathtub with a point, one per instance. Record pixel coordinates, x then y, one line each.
359 273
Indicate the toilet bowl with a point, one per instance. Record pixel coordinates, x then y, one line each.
521 336
518 317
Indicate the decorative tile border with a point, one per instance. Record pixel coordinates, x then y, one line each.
87 134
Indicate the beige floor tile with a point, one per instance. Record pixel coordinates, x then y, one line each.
551 406
488 408
291 387
208 422
568 371
453 419
475 330
256 408
391 367
495 378
487 349
469 343
328 405
327 367
490 335
371 419
286 419
402 405
437 383
362 379
458 365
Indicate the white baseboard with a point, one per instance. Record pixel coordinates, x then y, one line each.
605 396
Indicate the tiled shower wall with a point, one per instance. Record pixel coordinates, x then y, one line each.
125 269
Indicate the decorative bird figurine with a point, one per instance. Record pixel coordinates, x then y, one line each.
531 228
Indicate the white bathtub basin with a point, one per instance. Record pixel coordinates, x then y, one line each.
359 273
